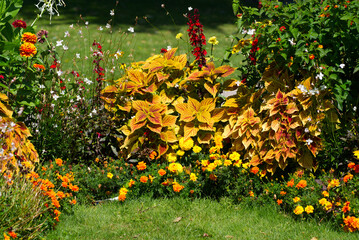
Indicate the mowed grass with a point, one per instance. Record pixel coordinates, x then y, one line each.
185 219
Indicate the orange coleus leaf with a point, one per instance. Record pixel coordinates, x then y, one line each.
205 126
275 124
212 89
126 107
169 54
162 149
168 136
169 120
255 160
108 94
161 76
5 110
156 128
134 125
204 137
189 130
186 114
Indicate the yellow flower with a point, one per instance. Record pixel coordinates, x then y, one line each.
245 165
204 163
123 190
131 183
227 162
175 147
322 201
234 156
237 163
213 40
356 153
211 167
27 50
251 193
193 177
180 152
309 209
179 35
218 162
197 149
171 157
296 199
175 168
186 145
298 210
320 46
328 205
333 183
325 194
109 175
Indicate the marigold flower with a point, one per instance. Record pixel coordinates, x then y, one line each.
61 194
213 177
213 40
211 167
171 157
186 145
309 209
227 162
296 199
161 172
73 188
123 191
58 161
298 210
346 207
64 184
193 177
328 205
333 183
237 163
347 177
325 194
110 175
141 166
73 201
29 37
279 201
205 163
175 168
39 66
180 152
290 183
6 237
131 183
143 179
245 165
283 193
311 56
301 184
121 197
251 193
153 155
27 50
177 187
197 149
19 24
234 156
356 168
179 35
356 153
254 170
351 223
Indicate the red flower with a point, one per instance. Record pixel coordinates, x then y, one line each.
2 77
282 28
19 24
163 50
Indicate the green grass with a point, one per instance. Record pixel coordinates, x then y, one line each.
184 219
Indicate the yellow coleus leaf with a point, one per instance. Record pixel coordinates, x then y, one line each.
5 110
168 136
204 137
190 130
212 89
169 120
134 125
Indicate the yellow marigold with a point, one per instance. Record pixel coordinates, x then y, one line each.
237 163
141 166
27 50
322 201
109 175
27 164
296 199
180 152
251 193
245 165
218 162
234 156
179 35
123 191
6 237
325 194
213 150
186 145
298 210
301 184
211 167
328 205
171 157
58 161
143 179
29 37
175 168
177 187
197 149
333 183
131 183
227 162
73 201
193 177
175 146
309 209
218 140
356 153
161 172
205 163
351 223
213 40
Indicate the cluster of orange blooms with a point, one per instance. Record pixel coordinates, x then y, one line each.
27 48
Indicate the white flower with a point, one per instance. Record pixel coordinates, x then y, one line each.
100 28
65 47
86 23
108 25
78 98
342 65
251 31
71 26
169 48
320 76
77 55
131 29
112 12
309 141
306 130
67 34
80 32
51 92
94 111
41 86
118 54
309 119
59 43
302 88
190 8
354 108
55 97
87 81
59 73
291 41
90 115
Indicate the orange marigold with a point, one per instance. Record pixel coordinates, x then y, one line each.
73 188
347 177
290 183
161 172
12 234
6 237
122 197
177 187
141 166
29 37
279 201
351 165
39 66
143 179
73 202
301 184
351 223
27 50
254 170
346 207
58 161
131 183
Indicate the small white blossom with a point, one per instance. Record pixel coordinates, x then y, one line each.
306 130
55 97
354 108
291 41
59 73
169 48
112 12
67 34
190 8
100 28
86 23
108 25
94 111
41 86
87 81
131 29
78 98
309 141
65 47
309 119
77 55
80 32
342 65
71 26
59 43
320 76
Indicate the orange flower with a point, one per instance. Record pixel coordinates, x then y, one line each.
251 193
58 161
161 172
143 179
73 202
153 155
290 183
325 194
351 223
296 199
64 184
122 197
346 207
141 166
213 177
334 183
254 170
347 177
73 188
283 193
177 187
276 6
301 184
39 66
57 212
279 201
60 194
351 165
12 234
311 56
131 183
29 37
6 237
27 50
